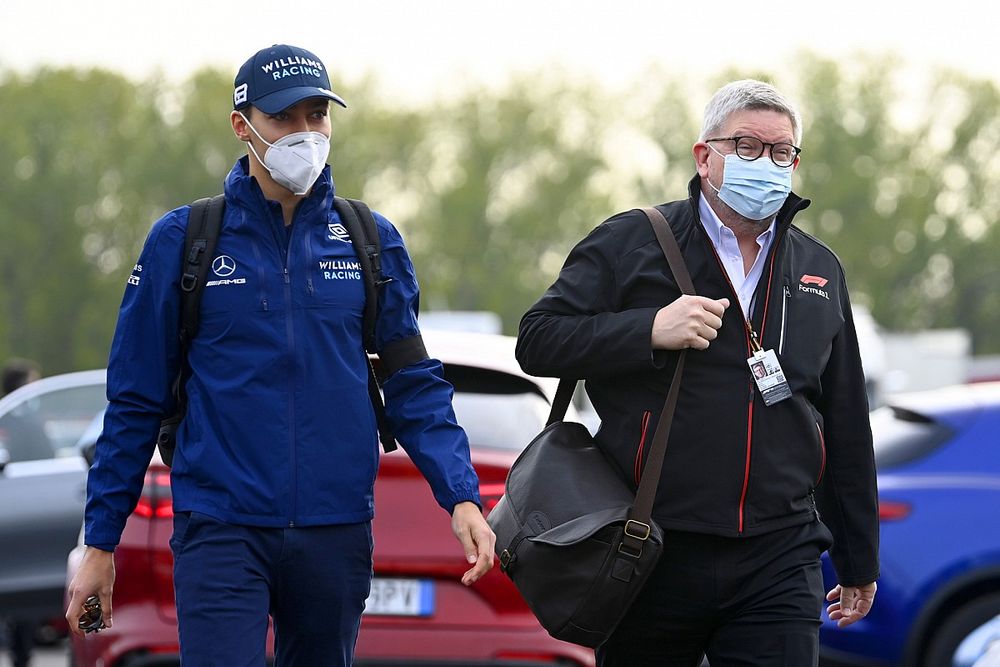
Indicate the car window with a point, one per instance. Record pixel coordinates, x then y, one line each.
902 436
497 410
48 425
501 421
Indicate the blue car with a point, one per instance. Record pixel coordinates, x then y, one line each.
938 601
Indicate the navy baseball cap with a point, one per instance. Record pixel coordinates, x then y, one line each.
277 77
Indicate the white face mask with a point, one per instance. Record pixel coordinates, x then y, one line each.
295 160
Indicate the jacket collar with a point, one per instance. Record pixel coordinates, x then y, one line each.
243 190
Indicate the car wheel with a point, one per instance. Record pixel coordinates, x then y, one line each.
943 649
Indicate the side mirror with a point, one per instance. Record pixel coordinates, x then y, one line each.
4 457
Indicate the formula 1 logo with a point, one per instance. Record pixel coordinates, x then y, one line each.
806 279
818 281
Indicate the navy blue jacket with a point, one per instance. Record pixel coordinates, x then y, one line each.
279 430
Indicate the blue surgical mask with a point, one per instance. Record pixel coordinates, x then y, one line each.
754 189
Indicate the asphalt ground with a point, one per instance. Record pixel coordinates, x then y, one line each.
49 656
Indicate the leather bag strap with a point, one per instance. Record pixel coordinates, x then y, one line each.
637 528
646 493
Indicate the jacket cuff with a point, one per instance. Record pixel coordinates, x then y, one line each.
462 496
859 580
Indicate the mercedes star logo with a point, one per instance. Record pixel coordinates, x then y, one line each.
223 266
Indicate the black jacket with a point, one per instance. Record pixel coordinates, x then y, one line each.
733 466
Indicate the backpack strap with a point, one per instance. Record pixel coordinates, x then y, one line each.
204 223
203 226
361 227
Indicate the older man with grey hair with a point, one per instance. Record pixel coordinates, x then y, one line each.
764 471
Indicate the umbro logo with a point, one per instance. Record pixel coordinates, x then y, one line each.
338 233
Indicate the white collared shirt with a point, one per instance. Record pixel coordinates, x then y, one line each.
728 249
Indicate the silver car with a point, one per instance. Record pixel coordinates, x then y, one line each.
43 481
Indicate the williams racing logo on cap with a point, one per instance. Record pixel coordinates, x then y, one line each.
812 284
224 267
240 95
292 66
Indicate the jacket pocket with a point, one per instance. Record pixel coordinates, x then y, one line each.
784 318
182 522
822 454
644 428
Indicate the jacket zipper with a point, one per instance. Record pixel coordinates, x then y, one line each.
822 453
642 445
750 396
261 293
746 464
286 246
307 245
784 312
750 402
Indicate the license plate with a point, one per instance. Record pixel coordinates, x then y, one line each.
400 597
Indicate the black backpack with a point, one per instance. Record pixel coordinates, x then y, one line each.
204 225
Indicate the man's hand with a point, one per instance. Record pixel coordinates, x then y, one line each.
850 603
477 539
96 576
690 321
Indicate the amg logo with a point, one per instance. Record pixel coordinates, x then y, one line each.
814 290
227 281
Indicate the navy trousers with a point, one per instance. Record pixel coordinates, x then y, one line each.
742 602
313 582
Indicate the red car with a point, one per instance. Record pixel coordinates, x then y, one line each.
418 612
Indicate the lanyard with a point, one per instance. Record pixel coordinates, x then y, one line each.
752 338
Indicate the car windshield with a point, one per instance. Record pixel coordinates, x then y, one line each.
902 436
48 424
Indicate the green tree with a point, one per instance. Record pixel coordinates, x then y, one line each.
64 168
510 181
492 187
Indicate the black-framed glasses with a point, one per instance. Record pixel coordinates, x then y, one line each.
92 618
751 148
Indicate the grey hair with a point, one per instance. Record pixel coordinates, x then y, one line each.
747 95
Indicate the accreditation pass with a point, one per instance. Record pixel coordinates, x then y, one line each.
769 377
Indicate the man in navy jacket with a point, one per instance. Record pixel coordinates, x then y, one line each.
276 458
771 429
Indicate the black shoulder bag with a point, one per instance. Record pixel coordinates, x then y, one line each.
570 533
